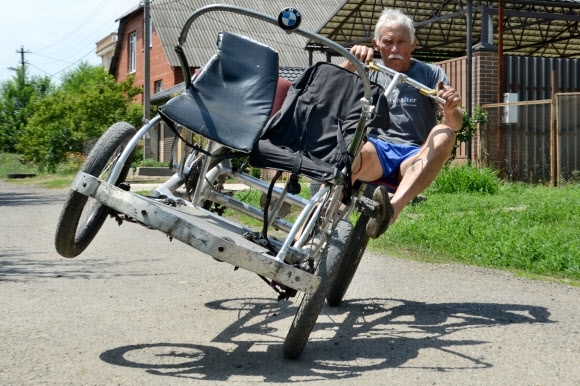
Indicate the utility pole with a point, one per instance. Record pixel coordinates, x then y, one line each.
469 72
146 70
146 75
22 61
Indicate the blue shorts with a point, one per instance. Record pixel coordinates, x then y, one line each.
392 156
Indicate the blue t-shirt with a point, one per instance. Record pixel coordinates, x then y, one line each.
413 115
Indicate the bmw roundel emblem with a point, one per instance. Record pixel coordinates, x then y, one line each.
289 19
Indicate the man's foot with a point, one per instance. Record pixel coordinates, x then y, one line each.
378 225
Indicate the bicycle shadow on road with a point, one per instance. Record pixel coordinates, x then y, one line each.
359 336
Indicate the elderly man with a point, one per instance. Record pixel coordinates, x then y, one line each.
414 148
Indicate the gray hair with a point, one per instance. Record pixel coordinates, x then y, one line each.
394 16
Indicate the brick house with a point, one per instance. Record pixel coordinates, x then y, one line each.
129 58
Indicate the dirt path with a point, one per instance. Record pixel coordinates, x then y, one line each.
136 308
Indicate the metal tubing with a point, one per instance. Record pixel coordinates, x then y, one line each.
276 209
310 225
129 148
262 186
267 18
248 210
400 78
204 168
397 78
169 187
301 219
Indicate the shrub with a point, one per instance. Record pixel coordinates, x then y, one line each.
71 164
465 179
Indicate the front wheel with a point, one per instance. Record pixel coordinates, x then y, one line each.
311 304
352 256
81 216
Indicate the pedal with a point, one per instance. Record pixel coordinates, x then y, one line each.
367 207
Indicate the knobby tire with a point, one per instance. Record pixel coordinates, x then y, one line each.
81 217
352 257
311 304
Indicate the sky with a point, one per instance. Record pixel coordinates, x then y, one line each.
56 35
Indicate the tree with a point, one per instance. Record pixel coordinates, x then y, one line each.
16 99
86 103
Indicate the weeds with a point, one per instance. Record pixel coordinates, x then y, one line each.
465 179
13 163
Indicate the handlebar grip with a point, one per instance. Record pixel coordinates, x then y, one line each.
432 94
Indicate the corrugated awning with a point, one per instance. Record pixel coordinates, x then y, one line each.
548 28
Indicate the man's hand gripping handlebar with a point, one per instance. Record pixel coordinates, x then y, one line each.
402 78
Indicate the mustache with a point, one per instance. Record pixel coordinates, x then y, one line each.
395 56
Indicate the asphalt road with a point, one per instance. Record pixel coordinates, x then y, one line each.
138 309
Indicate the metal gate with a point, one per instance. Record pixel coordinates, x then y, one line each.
535 141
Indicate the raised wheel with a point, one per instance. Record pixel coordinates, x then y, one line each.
311 304
352 256
82 217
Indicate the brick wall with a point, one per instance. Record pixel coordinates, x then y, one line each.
159 69
486 145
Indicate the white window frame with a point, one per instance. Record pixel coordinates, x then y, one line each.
132 52
158 86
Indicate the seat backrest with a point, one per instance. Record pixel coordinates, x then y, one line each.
316 123
231 99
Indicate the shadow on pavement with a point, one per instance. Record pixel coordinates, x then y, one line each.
20 199
17 265
359 336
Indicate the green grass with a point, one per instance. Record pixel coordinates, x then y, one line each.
10 163
532 230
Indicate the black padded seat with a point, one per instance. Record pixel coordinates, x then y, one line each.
231 100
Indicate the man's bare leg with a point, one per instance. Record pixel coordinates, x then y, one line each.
416 173
419 171
369 168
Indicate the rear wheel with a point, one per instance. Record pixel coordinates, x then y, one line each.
81 216
311 304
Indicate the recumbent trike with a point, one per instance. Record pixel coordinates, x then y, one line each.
231 104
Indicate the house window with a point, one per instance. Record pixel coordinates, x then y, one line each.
132 52
158 86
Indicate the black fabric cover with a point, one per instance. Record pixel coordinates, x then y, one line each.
231 100
322 105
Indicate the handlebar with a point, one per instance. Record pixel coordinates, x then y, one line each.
402 78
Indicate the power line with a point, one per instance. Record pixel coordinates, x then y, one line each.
40 69
82 23
72 64
101 29
47 57
69 59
